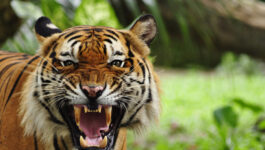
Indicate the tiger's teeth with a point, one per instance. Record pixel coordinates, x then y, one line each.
86 109
108 111
103 143
83 142
77 111
99 108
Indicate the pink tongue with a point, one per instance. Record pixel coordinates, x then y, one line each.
91 124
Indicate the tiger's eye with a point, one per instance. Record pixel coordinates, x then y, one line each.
117 63
67 63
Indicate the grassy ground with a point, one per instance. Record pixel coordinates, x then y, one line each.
189 100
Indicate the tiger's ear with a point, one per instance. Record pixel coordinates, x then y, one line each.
145 28
44 28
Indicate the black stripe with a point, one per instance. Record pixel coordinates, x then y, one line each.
115 90
105 49
150 98
108 40
98 29
23 58
143 70
139 82
7 83
73 44
80 47
65 54
131 123
69 88
36 94
89 36
132 65
110 36
54 47
83 48
97 35
6 68
130 54
52 117
35 141
50 46
70 80
123 102
114 82
71 33
64 144
45 81
20 75
142 67
53 54
8 57
98 44
72 38
55 142
132 117
44 64
62 34
149 73
113 33
46 99
118 53
86 30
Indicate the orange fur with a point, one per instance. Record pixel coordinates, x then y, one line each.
19 128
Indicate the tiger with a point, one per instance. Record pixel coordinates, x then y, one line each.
85 87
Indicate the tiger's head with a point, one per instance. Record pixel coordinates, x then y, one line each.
91 82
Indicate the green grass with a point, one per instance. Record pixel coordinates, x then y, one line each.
189 100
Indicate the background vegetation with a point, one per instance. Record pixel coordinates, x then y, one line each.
213 95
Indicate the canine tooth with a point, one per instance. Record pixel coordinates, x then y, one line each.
108 114
83 142
77 112
99 108
86 109
103 143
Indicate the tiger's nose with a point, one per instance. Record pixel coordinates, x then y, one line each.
92 91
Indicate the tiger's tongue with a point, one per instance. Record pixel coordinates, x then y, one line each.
91 124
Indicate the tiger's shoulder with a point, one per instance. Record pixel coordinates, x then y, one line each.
14 70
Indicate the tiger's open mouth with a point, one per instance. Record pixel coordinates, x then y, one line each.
93 128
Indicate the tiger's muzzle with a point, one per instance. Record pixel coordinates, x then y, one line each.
93 126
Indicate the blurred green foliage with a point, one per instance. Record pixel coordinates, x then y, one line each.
99 13
63 13
207 111
240 64
176 44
